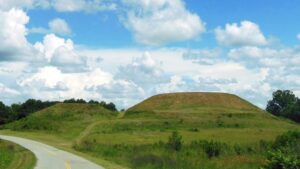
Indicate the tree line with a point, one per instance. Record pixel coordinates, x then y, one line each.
20 110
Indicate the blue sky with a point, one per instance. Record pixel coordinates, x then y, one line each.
125 51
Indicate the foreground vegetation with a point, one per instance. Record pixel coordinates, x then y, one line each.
13 156
212 131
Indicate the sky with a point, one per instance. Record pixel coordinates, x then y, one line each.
124 51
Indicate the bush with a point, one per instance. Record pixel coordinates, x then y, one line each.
175 141
211 148
285 152
280 160
238 149
291 138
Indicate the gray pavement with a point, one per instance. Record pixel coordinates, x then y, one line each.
52 158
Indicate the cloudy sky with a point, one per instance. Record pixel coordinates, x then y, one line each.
126 50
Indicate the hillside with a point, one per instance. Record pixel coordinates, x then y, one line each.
67 119
174 101
192 104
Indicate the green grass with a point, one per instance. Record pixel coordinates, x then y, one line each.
13 156
175 101
137 138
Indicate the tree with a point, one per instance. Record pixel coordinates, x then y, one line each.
285 104
111 106
282 100
4 113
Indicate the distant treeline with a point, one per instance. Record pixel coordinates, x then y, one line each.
109 106
21 110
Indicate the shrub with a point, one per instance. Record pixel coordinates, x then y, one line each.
175 141
238 149
212 149
280 160
291 138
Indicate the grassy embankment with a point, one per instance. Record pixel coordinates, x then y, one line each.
12 156
235 132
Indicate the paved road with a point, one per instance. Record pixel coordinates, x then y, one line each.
51 158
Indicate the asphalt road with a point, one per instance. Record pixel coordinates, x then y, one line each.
51 158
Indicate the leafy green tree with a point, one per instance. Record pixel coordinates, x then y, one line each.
285 104
4 113
282 100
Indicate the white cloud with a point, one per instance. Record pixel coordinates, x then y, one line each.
298 36
7 92
60 5
155 22
252 52
143 71
245 34
204 56
174 85
57 26
52 82
27 4
13 35
83 5
266 57
60 52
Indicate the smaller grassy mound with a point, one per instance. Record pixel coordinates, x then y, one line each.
64 119
176 101
12 156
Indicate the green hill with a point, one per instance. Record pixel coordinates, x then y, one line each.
65 119
175 101
236 129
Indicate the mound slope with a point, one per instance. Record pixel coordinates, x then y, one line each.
63 118
175 101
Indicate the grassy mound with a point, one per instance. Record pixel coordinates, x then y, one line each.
12 156
177 101
66 119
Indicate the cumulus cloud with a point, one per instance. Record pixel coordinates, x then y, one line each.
245 34
156 22
60 5
204 56
143 71
266 57
54 84
83 5
121 92
57 26
7 92
13 35
60 52
26 4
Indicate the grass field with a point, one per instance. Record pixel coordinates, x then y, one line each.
13 156
222 123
